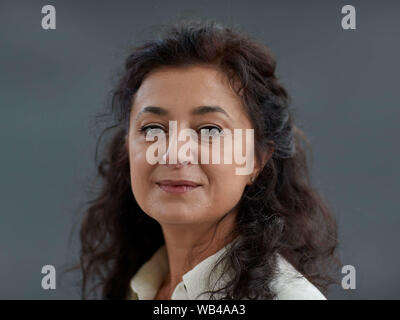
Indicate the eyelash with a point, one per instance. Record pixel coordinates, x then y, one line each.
143 129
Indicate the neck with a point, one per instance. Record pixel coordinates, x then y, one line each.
187 246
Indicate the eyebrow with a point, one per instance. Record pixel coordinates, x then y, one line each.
200 110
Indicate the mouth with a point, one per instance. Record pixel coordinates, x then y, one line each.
177 186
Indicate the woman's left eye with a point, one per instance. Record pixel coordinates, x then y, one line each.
211 130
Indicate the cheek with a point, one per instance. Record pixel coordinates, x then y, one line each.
226 187
140 171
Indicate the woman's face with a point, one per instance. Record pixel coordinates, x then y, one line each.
179 95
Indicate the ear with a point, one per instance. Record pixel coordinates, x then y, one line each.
265 156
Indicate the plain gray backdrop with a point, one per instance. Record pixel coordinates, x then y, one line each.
344 86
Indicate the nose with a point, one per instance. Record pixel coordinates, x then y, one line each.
180 153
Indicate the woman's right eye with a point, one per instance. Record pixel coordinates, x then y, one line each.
151 129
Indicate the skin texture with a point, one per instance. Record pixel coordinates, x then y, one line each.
187 220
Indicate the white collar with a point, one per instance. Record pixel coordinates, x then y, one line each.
147 280
288 283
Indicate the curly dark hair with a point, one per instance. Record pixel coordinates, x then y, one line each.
280 213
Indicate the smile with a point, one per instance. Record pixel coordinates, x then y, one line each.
177 187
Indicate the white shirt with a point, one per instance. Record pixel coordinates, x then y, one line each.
289 284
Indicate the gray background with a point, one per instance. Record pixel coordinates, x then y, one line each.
343 84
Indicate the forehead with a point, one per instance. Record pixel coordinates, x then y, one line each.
187 87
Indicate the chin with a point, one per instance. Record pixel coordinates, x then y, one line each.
174 215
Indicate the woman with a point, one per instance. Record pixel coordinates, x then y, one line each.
182 227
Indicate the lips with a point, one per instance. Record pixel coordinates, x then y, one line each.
177 186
